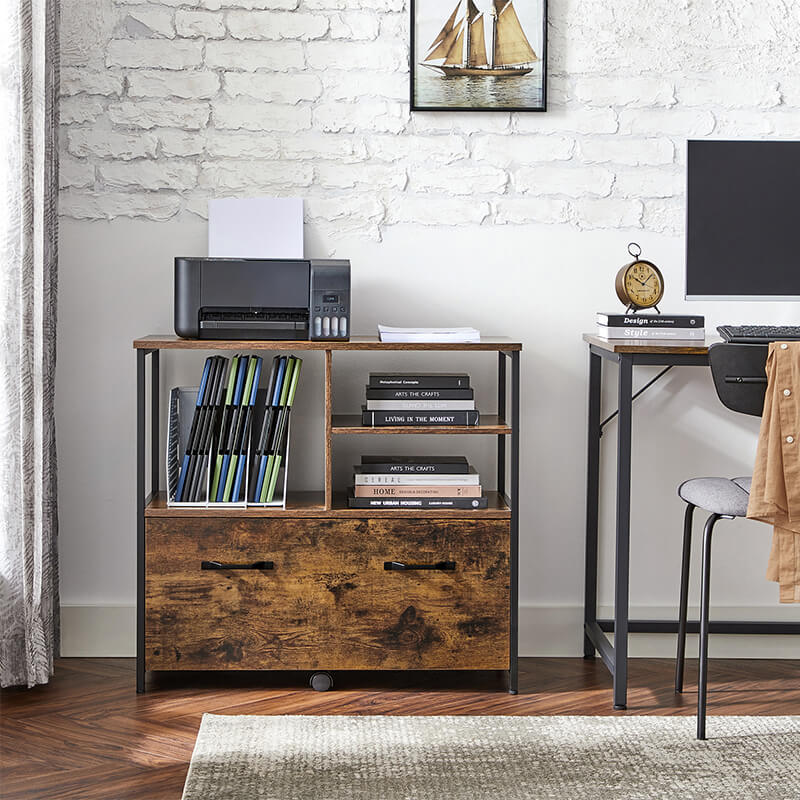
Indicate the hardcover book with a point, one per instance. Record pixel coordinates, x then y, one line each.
650 333
417 491
420 465
419 394
363 478
421 503
650 320
420 405
422 380
375 419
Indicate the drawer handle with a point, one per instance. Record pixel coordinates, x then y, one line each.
260 565
399 566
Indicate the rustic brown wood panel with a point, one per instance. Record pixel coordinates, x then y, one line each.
329 603
168 341
311 505
88 735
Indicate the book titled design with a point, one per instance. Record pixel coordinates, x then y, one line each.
374 419
472 478
420 405
420 465
650 333
420 380
419 394
650 320
418 502
417 491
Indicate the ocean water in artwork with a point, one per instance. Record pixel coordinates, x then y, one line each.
485 91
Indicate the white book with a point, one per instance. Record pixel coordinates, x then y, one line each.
420 405
417 479
389 334
688 334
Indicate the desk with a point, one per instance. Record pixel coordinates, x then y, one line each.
628 354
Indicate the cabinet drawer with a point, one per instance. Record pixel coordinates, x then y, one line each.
328 601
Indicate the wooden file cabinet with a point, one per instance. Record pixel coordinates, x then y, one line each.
307 587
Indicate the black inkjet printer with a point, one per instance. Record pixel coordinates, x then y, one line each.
262 298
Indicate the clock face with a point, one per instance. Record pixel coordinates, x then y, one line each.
643 284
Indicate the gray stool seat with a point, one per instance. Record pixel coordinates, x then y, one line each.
725 496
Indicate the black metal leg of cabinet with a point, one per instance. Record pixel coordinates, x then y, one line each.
140 502
513 683
501 413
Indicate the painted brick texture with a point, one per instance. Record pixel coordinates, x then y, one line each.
170 102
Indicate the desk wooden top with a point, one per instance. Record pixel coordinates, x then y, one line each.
172 342
692 347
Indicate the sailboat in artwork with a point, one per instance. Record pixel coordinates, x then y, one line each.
460 48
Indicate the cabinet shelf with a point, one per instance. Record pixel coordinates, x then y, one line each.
312 505
351 424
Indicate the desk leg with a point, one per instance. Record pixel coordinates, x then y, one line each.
621 575
592 501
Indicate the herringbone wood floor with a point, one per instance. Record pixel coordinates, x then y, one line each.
88 736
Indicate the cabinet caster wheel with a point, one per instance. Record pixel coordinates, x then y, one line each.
321 681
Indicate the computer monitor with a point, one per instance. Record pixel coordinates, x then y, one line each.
742 220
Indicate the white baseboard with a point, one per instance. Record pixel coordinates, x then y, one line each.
98 631
110 631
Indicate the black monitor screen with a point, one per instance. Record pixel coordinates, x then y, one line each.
742 224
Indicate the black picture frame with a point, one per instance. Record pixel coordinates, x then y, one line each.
412 70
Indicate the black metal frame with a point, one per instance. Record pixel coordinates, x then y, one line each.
512 500
412 56
143 497
615 656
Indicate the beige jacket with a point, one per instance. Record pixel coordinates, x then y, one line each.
775 493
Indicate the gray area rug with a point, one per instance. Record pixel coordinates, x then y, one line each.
502 758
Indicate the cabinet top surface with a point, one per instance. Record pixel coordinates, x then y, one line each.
157 341
682 346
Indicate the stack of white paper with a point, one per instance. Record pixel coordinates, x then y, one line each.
388 334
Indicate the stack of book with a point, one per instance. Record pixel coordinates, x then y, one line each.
395 398
416 482
215 465
650 326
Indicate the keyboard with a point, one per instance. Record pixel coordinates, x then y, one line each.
759 334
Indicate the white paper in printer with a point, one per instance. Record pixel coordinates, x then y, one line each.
255 227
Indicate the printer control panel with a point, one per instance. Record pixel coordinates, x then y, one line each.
330 300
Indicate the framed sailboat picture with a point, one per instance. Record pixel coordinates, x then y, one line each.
481 55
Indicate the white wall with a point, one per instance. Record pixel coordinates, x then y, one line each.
513 223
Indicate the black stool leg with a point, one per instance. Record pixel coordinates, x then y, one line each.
702 683
684 599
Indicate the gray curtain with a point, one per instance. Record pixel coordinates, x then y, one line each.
29 606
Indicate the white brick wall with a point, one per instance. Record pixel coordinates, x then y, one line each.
166 103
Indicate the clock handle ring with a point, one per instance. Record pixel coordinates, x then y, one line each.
631 247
